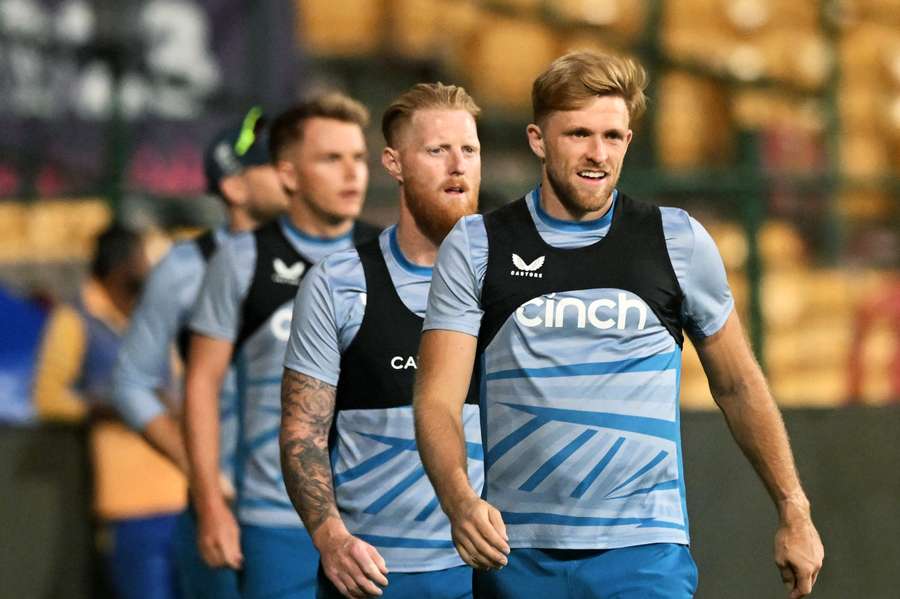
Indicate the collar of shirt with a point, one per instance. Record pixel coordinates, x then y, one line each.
569 225
401 259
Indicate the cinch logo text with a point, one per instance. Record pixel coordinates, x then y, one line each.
603 313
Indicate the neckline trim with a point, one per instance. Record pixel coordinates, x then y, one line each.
403 261
570 225
292 230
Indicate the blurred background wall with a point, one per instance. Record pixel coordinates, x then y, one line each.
776 123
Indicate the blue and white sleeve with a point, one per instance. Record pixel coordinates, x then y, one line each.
454 302
142 366
217 312
313 347
707 297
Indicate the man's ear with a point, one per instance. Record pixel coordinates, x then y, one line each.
287 176
234 189
390 159
536 140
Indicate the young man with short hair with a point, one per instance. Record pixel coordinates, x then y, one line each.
571 302
243 318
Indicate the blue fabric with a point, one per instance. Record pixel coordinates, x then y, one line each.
307 244
330 305
142 562
383 494
598 225
263 500
580 425
278 563
452 583
579 398
454 303
656 571
196 579
380 485
21 322
217 310
102 346
143 363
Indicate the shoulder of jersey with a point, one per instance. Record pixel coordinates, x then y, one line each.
471 219
339 259
675 211
182 261
471 224
678 217
243 239
184 249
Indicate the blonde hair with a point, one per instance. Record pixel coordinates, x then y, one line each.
573 79
423 96
287 128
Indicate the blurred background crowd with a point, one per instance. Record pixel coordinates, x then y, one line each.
776 123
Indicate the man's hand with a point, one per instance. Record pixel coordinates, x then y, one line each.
352 565
739 388
798 552
219 538
442 381
307 408
479 534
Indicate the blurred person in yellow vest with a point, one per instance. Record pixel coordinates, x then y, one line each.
137 492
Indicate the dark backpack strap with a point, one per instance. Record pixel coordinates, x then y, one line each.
363 232
206 243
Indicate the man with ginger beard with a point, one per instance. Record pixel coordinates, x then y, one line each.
347 450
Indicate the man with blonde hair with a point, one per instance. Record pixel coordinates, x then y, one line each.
347 441
571 302
242 317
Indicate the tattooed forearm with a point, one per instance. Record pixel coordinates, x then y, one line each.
307 408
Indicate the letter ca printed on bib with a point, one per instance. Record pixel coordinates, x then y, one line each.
403 362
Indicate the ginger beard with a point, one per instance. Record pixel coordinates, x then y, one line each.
436 208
